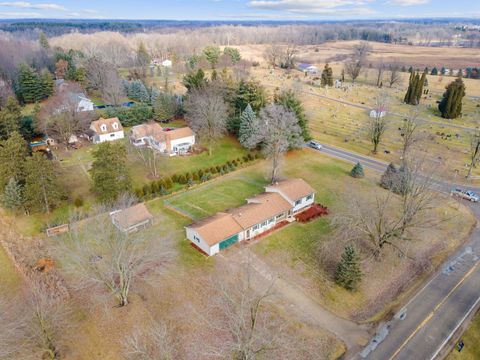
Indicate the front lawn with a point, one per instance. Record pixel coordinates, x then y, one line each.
471 339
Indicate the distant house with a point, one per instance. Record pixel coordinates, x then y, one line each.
106 130
308 68
84 103
132 219
280 202
166 141
378 113
167 63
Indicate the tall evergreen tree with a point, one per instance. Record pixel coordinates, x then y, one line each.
43 41
29 85
109 171
165 107
13 195
47 83
42 191
415 88
10 118
248 125
13 153
327 76
143 57
291 102
451 104
348 272
434 71
250 93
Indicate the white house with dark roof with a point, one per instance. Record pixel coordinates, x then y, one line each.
280 202
106 130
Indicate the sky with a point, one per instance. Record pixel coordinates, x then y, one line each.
239 9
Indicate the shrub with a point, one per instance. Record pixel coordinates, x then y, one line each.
174 178
195 176
182 179
163 191
213 170
188 176
250 157
225 168
154 188
200 173
146 190
78 202
357 171
218 167
139 193
168 183
205 177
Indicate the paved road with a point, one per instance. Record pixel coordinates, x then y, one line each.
423 328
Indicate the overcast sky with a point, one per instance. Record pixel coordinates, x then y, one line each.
239 9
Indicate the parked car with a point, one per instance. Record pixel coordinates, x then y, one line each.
314 145
465 194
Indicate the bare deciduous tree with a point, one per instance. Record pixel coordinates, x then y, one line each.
377 125
474 153
272 55
61 116
394 74
206 114
389 220
151 342
355 64
289 56
97 254
278 132
103 77
380 70
409 132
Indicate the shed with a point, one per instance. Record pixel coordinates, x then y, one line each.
132 219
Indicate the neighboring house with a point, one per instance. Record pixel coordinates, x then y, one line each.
106 130
166 141
279 203
308 68
132 219
378 113
167 63
84 103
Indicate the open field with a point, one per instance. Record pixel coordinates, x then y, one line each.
293 251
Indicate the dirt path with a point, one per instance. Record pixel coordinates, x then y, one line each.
302 305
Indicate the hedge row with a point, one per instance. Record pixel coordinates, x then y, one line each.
163 186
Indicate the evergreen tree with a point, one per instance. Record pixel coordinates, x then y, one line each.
419 89
443 71
109 171
41 188
212 54
43 41
29 86
13 195
415 88
47 83
451 104
13 153
195 80
291 102
10 118
248 125
327 76
165 107
434 71
250 93
348 272
143 57
357 171
233 53
388 179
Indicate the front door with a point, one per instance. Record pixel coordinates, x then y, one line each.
248 234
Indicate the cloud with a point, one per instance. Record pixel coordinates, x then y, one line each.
90 11
407 2
310 6
19 14
29 5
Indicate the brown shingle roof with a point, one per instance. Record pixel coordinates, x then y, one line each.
179 133
144 130
97 125
294 189
259 209
131 216
217 228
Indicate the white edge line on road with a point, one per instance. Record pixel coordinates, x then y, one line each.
455 330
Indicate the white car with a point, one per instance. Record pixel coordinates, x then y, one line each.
465 194
314 145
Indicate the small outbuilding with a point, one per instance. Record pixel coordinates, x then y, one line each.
132 219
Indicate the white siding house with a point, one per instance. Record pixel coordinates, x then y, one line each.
106 130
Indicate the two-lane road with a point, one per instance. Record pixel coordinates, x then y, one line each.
423 328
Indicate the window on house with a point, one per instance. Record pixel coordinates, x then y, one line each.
279 216
256 227
196 238
271 220
309 197
115 126
298 202
112 135
264 224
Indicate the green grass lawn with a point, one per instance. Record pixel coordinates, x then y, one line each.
471 338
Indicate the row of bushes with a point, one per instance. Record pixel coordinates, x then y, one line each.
163 186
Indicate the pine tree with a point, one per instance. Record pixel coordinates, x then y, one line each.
41 188
419 88
47 83
451 104
13 153
165 107
13 195
388 179
10 118
29 87
348 272
443 71
143 57
43 41
327 76
109 171
291 102
357 171
248 126
415 88
434 71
